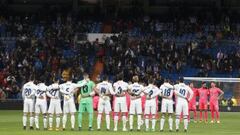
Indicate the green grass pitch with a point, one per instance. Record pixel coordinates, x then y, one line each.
11 124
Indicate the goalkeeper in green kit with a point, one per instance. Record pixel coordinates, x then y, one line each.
86 101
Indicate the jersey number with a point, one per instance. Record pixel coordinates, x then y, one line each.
67 89
27 91
84 89
39 92
182 92
103 90
167 92
135 91
150 93
53 92
119 90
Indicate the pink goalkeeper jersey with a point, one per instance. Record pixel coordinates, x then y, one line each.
193 100
214 93
203 95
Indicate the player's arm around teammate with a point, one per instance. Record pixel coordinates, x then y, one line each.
86 102
120 104
151 92
68 90
135 92
104 90
28 95
41 103
55 104
167 104
183 95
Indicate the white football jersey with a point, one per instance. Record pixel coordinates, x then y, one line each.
41 91
166 90
136 89
182 91
175 85
54 91
120 87
29 90
105 88
151 90
68 89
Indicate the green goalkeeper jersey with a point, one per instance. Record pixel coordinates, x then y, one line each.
86 90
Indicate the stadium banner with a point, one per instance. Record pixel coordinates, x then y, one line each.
100 36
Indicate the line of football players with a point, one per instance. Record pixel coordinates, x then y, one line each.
39 93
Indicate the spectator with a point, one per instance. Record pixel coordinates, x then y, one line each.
2 95
229 102
144 46
234 101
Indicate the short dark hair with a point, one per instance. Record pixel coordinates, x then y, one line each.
85 74
42 79
150 81
104 77
181 79
204 82
55 79
120 77
191 82
31 78
166 79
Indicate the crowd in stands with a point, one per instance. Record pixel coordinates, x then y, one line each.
144 46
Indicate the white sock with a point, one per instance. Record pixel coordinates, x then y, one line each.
45 121
177 122
147 122
73 121
99 118
170 121
31 121
162 123
64 120
124 119
131 121
185 122
50 121
36 121
153 123
24 119
139 121
108 121
115 121
58 121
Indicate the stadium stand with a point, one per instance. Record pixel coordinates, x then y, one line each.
144 46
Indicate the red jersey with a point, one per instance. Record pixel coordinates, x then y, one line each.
195 92
203 94
214 93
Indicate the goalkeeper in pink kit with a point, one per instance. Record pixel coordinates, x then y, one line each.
192 103
215 94
203 94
